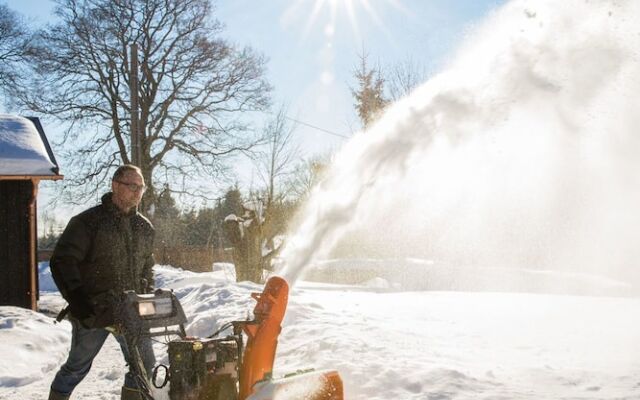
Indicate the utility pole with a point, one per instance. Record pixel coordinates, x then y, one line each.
136 151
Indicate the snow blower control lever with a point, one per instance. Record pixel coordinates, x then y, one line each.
148 315
221 368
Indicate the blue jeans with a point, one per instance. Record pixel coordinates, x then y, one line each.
85 345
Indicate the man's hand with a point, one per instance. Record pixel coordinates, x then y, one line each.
79 304
145 288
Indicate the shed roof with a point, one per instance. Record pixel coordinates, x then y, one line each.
24 149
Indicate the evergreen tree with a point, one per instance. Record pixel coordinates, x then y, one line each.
231 203
167 220
368 95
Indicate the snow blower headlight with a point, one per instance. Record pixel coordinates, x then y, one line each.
146 308
155 307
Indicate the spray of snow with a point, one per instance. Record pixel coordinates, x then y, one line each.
522 153
292 388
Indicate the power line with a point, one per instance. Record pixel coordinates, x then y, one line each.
316 127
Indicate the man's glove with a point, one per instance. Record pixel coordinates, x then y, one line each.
79 304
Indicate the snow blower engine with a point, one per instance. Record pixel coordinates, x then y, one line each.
216 367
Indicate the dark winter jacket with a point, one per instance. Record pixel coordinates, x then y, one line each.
102 253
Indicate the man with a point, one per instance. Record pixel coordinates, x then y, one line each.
103 252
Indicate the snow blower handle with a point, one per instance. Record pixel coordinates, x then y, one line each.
262 334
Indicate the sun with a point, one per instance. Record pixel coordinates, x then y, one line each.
323 15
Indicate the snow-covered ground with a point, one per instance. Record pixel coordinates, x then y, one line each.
419 275
386 343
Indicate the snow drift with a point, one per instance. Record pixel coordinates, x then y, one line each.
32 343
385 344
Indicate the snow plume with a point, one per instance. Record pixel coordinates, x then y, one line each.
523 152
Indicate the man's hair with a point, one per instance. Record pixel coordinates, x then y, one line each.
123 169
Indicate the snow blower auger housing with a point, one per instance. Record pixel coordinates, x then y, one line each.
221 368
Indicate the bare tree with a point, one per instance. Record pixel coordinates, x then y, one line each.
402 77
15 45
306 175
193 88
369 92
274 161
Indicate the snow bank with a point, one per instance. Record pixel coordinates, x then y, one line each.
209 299
45 279
31 346
416 274
386 345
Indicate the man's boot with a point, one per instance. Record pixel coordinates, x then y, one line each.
130 394
57 396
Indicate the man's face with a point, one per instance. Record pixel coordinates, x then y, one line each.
128 190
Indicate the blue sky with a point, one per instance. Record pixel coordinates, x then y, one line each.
312 54
312 58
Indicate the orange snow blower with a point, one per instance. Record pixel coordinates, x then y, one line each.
221 368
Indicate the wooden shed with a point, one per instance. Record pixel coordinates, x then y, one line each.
25 159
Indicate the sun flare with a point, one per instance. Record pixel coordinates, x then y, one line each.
324 15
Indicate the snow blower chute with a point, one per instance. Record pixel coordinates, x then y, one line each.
221 368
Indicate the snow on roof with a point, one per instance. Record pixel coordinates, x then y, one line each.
22 148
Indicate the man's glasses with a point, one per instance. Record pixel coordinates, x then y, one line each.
134 187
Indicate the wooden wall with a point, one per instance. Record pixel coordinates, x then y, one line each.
192 258
15 261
